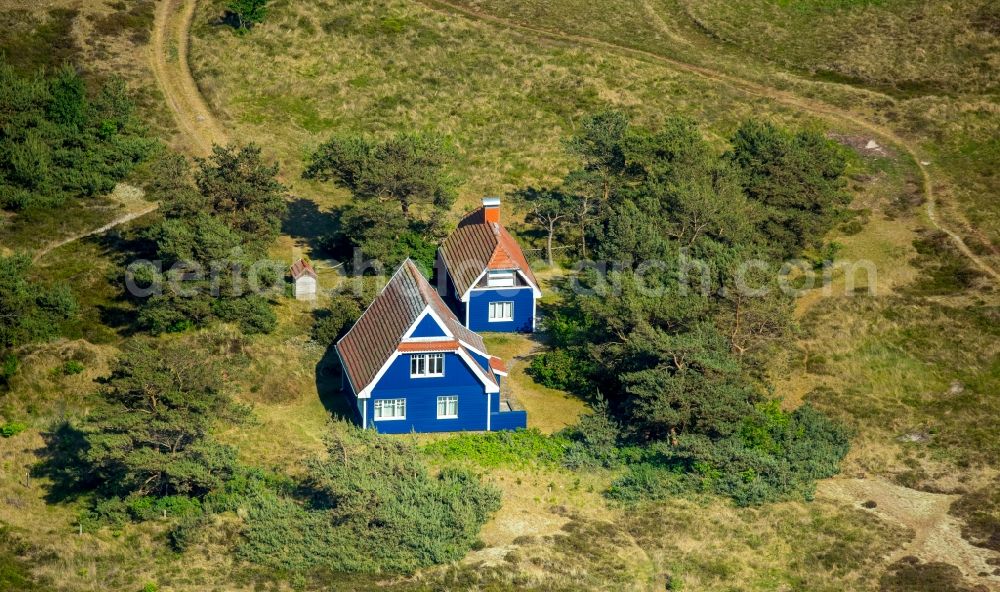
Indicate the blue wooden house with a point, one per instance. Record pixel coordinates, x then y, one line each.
489 283
411 366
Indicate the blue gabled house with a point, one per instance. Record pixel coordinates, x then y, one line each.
411 366
489 283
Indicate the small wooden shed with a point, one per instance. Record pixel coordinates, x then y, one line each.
305 283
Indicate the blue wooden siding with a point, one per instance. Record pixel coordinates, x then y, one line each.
428 327
421 398
479 309
483 361
451 298
508 420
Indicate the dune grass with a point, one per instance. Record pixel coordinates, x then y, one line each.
504 101
888 365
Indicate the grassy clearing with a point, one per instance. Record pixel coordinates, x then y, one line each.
683 544
503 100
548 410
925 70
906 46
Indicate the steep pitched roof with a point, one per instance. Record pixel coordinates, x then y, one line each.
301 268
477 245
379 332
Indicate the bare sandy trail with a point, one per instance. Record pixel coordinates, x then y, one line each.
168 55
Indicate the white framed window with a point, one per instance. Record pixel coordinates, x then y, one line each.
501 311
448 407
500 279
426 365
386 409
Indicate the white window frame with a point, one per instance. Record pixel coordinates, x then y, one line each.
396 406
420 365
498 306
447 399
501 279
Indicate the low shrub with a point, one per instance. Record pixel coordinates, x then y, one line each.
12 428
561 369
9 366
774 456
594 441
253 314
72 367
508 448
116 512
370 506
333 322
646 482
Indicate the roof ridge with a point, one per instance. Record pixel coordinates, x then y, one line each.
374 300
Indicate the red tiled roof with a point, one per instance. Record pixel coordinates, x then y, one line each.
477 245
417 346
379 331
498 365
302 267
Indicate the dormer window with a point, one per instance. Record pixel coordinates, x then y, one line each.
426 365
500 279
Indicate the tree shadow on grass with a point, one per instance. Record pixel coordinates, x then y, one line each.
62 462
122 248
306 222
328 386
227 19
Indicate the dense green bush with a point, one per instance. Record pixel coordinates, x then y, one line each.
561 369
247 13
333 322
401 190
148 434
12 428
9 365
646 482
594 441
57 141
668 332
116 512
31 311
491 449
253 313
71 367
370 506
215 232
774 456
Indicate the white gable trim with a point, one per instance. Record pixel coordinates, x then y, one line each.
491 387
465 297
366 392
474 348
534 289
427 312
